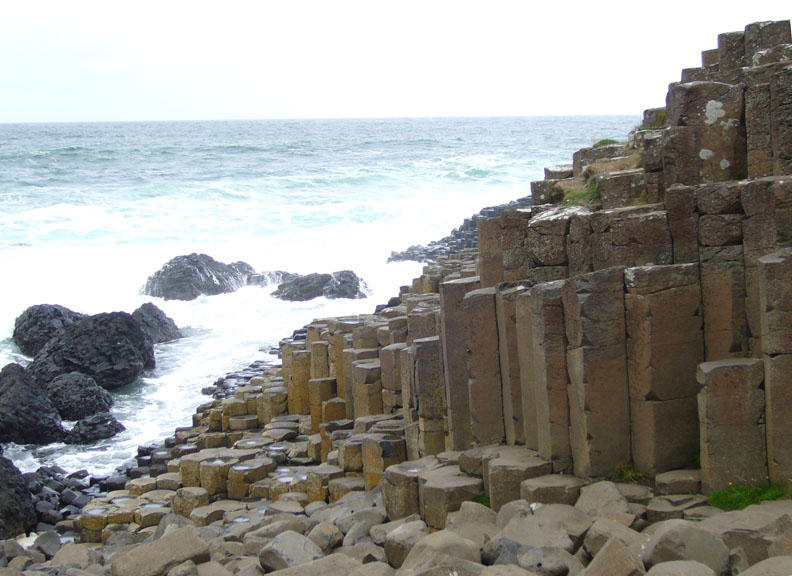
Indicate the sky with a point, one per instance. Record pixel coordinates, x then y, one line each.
198 60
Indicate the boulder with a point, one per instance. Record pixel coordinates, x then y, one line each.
776 566
187 277
158 557
17 514
77 396
400 541
549 561
684 540
681 568
93 428
109 347
433 547
288 549
298 288
602 498
26 414
156 324
41 323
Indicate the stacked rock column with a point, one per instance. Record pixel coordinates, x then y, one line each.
599 410
776 316
664 347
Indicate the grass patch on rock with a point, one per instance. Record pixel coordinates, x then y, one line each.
605 142
483 500
628 473
739 497
587 195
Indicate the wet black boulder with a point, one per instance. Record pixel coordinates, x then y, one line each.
17 514
41 323
93 428
156 324
26 414
342 284
193 275
76 396
111 348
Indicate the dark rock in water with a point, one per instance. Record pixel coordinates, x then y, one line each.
76 396
187 277
394 301
26 414
344 284
301 288
41 323
462 238
156 324
298 288
17 514
109 347
93 428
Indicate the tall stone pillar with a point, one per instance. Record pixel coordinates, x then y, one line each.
775 292
524 333
731 409
665 345
483 363
550 373
454 343
430 391
506 308
599 409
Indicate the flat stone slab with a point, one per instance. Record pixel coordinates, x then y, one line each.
672 506
678 482
552 489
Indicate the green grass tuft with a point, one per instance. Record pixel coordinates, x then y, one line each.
587 195
605 142
627 473
483 500
739 497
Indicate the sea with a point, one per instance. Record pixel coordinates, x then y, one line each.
89 210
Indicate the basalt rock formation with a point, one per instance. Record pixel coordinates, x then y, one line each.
26 414
41 323
342 284
17 514
157 326
193 275
111 348
77 396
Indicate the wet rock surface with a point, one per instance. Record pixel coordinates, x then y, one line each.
156 324
465 237
17 514
26 414
76 396
95 427
193 275
341 284
41 323
110 347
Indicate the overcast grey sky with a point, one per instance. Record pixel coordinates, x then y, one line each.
83 60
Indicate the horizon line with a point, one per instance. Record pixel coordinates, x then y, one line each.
313 118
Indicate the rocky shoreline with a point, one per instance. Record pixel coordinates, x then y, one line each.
633 324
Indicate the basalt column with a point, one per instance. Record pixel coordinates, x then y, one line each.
664 347
550 373
776 315
599 409
454 343
506 307
483 364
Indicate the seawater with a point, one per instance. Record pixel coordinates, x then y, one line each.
89 211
